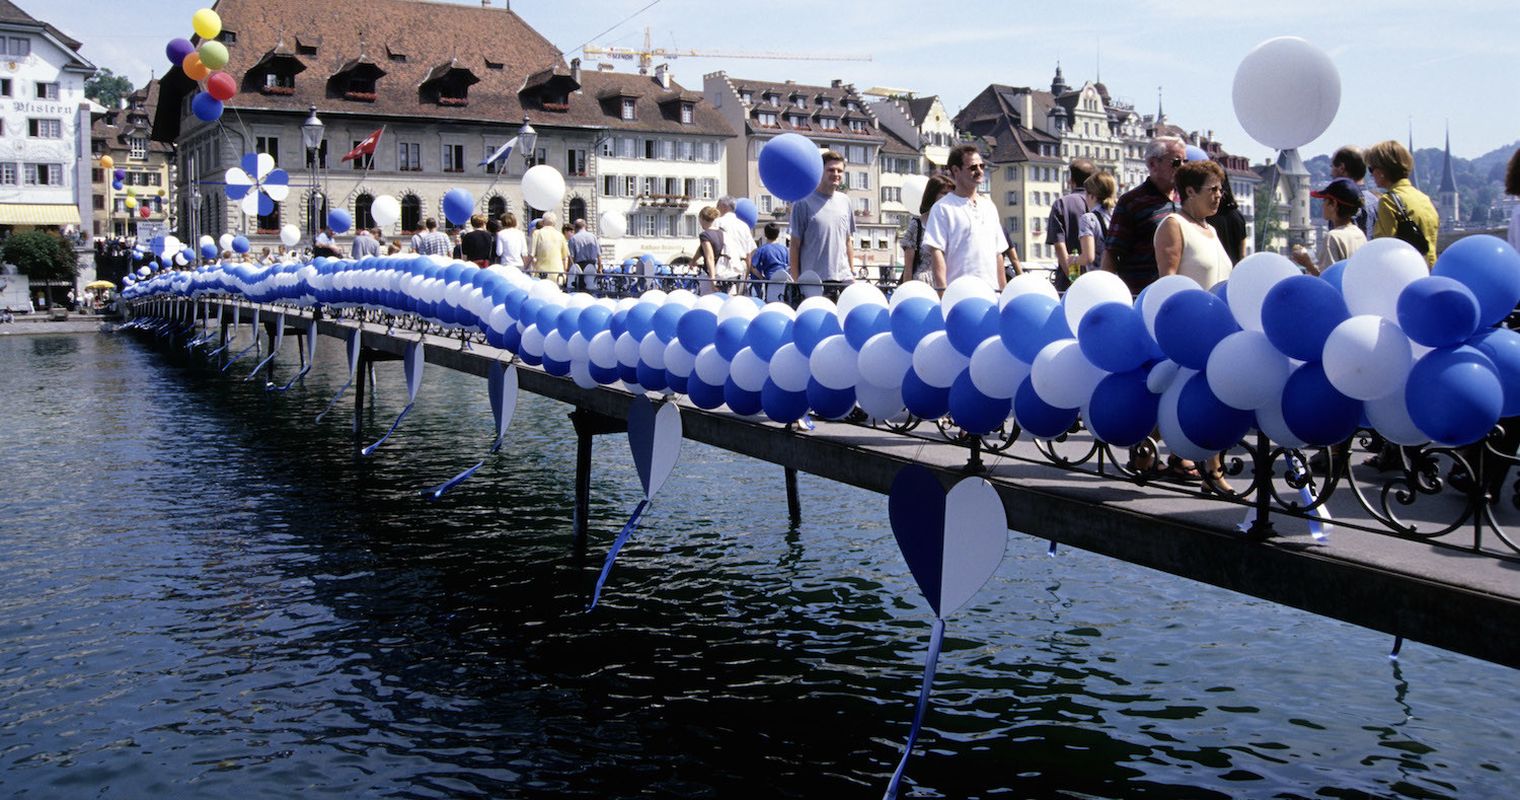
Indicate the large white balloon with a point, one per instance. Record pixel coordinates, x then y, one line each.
1390 417
543 187
835 364
386 210
913 187
964 288
907 291
1062 376
749 370
879 402
1245 371
994 370
225 242
611 225
1026 283
1089 290
856 294
712 367
937 361
1171 429
883 362
1377 274
290 235
789 368
1250 281
1286 93
678 360
1367 357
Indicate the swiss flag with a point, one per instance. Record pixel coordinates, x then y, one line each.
366 147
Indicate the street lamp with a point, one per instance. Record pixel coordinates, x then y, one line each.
311 136
528 138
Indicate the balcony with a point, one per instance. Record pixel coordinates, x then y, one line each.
362 97
664 200
453 101
559 107
284 91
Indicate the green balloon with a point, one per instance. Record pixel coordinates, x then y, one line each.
213 54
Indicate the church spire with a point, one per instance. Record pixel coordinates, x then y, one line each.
1448 182
1058 85
1413 181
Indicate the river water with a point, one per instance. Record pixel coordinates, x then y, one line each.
202 594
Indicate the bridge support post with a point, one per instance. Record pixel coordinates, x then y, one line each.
588 424
793 501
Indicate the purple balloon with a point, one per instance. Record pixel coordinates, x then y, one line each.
177 50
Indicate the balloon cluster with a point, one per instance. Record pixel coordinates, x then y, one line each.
1378 343
203 64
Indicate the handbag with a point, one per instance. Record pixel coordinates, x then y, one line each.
1404 227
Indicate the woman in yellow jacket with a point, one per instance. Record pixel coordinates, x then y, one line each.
1390 164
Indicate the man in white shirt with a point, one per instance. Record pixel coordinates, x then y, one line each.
964 234
738 241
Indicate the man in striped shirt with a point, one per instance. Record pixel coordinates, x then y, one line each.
1130 248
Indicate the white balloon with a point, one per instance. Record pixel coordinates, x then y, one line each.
580 349
913 187
678 360
749 370
994 371
883 363
543 187
1250 281
290 235
740 307
712 367
1027 283
555 346
879 402
627 349
580 372
611 225
789 368
964 288
1062 376
856 294
1088 290
834 364
780 308
1286 93
937 361
816 302
205 240
655 296
386 210
1390 417
1269 420
1377 274
533 341
1158 292
602 350
225 242
1171 429
1367 357
652 350
910 290
1245 371
682 298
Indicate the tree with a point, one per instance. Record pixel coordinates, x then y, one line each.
42 256
107 88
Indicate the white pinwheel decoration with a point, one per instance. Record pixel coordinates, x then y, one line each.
257 184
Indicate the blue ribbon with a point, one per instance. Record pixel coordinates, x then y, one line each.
274 349
438 491
394 425
617 544
930 662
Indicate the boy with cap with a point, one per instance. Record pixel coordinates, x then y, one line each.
1343 199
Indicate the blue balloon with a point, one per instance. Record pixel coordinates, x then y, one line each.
340 220
118 185
593 320
1221 290
1029 322
1123 410
177 49
1437 311
1488 266
640 320
1190 323
568 322
971 322
651 378
1298 314
1041 419
702 394
628 374
1206 421
813 326
915 318
677 384
767 332
741 402
547 317
1454 395
205 107
240 244
618 325
1334 274
829 403
1113 337
790 167
557 368
1314 411
458 205
865 321
922 400
1196 153
118 174
973 411
730 337
667 321
610 375
696 329
208 251
780 405
745 210
1502 346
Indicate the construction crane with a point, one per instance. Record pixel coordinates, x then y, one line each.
648 53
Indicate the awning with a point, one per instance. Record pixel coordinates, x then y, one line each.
38 214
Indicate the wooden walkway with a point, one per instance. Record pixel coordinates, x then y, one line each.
1446 593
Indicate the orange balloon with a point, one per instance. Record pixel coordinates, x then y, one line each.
194 69
106 162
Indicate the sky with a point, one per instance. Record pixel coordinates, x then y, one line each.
1402 65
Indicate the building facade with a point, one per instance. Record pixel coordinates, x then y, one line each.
44 127
126 135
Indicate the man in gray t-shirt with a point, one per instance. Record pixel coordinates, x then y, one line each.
823 228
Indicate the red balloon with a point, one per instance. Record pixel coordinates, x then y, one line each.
221 86
143 210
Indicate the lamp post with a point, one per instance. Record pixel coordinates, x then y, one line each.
528 138
311 136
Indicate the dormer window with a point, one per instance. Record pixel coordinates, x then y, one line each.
828 123
449 84
275 73
798 101
826 103
356 80
279 83
747 96
628 108
686 113
857 126
773 99
227 37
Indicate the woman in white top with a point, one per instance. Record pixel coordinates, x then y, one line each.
1185 242
1092 227
510 243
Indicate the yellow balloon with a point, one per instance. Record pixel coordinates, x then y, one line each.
160 192
207 23
130 202
213 55
106 162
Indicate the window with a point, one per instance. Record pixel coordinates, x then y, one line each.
706 151
747 97
686 113
857 126
630 186
767 203
857 154
626 147
99 202
5 87
453 158
409 158
18 46
411 213
667 226
891 194
1012 199
687 152
44 128
799 101
270 223
540 156
365 161
668 149
709 188
862 180
650 185
862 205
767 118
8 173
362 216
97 175
646 224
575 162
672 186
826 103
138 147
321 156
689 188
609 185
227 37
828 124
268 144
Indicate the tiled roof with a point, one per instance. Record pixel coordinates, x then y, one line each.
655 108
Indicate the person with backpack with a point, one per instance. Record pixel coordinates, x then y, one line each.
917 265
1092 227
1404 212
